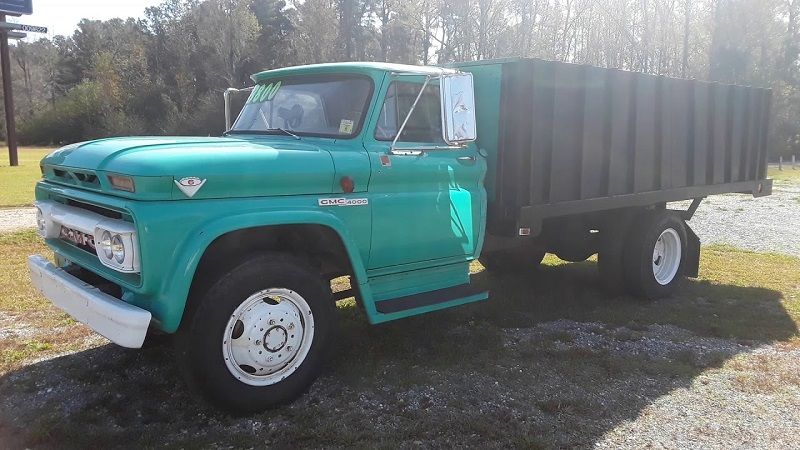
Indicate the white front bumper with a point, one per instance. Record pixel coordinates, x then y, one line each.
120 322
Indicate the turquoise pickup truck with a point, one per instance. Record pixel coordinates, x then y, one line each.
396 176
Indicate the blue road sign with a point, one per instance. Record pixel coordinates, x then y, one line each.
16 7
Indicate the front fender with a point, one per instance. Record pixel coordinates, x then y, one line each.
176 284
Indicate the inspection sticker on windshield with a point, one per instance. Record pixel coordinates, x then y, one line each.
343 201
346 126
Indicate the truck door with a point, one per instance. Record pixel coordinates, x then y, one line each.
428 204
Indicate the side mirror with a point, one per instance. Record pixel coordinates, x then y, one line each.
458 108
228 118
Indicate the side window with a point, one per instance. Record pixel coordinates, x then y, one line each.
425 123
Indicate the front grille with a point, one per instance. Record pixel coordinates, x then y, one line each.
110 213
78 239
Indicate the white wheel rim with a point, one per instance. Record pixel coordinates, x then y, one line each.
273 339
667 256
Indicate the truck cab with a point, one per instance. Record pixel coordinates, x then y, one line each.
363 170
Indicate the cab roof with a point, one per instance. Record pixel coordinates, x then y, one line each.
353 67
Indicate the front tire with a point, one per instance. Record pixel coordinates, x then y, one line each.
654 255
259 336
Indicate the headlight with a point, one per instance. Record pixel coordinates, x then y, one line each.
117 249
45 225
105 245
41 224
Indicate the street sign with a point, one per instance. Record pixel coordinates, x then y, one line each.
16 35
21 27
16 7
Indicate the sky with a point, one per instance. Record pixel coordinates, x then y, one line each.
62 16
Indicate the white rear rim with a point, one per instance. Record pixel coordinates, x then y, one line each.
268 337
667 256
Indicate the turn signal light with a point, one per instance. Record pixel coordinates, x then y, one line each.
122 183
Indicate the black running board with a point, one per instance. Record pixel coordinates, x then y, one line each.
465 292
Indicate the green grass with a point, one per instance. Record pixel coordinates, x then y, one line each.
17 183
787 175
16 293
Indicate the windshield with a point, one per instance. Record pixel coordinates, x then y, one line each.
330 105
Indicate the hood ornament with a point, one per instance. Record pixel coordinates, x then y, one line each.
190 185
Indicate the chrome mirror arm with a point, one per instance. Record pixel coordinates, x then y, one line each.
227 96
408 116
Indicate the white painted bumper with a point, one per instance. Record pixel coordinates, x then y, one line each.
120 322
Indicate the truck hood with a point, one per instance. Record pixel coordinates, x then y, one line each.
226 167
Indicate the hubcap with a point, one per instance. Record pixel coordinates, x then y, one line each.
268 336
667 256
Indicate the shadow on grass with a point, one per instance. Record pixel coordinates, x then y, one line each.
498 372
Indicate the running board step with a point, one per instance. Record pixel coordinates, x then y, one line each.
466 292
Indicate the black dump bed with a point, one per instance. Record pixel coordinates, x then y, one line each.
574 139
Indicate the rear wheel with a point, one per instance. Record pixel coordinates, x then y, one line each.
259 336
653 257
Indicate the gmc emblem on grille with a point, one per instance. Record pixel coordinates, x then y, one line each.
78 238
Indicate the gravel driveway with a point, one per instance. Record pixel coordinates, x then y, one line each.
17 218
767 224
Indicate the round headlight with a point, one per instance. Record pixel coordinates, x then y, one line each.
118 248
40 222
105 245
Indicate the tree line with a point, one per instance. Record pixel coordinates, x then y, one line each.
164 73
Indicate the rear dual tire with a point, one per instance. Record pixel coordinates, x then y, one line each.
653 257
645 256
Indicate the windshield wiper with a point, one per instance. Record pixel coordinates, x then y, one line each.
284 131
267 131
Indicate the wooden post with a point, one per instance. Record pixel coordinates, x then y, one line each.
8 97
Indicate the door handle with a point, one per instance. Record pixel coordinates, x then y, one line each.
466 159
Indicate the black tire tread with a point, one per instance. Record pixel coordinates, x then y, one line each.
637 256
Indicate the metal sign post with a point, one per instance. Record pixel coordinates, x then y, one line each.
8 98
12 31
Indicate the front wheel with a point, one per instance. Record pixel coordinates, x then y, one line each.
259 336
654 255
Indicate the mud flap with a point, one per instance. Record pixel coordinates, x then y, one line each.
691 263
